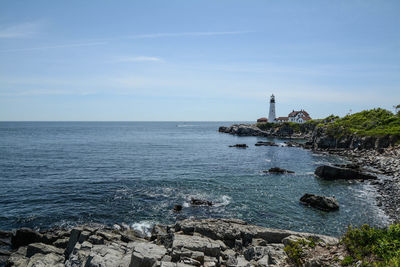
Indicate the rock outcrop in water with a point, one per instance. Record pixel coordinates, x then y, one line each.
208 242
278 170
239 146
320 202
334 173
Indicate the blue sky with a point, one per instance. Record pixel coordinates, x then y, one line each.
196 60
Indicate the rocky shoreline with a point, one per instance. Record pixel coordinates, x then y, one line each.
207 242
379 155
385 163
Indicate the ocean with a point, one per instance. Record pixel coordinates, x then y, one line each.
67 173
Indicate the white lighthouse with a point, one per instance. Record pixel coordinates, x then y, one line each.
271 116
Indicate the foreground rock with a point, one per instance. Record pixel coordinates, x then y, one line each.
209 242
333 173
320 202
278 171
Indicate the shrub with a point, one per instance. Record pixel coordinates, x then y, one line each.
380 246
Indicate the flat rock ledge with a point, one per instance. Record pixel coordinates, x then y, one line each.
207 242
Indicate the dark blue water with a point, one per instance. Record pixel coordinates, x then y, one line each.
63 173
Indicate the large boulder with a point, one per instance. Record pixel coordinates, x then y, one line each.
146 254
320 202
333 173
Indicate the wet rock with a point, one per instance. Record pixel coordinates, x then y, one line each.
240 146
320 202
278 170
200 202
177 208
332 173
261 143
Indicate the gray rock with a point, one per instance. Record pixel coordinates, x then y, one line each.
45 260
196 243
73 239
230 230
111 255
40 248
320 202
146 254
61 243
255 253
332 173
84 236
96 240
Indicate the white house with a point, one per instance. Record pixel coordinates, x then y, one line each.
299 116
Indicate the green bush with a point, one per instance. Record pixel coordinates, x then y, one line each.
348 260
295 251
377 246
374 122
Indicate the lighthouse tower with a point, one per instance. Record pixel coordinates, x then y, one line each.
271 116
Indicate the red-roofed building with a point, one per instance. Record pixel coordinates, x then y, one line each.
282 119
299 116
262 120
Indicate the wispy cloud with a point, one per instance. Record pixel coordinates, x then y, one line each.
138 59
22 30
54 46
182 34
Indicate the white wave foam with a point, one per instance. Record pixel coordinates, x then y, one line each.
143 227
224 201
267 160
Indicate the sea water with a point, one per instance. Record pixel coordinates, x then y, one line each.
66 173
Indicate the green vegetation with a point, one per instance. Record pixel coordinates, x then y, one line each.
373 246
374 122
347 261
295 250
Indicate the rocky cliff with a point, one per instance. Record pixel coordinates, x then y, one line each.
318 137
322 138
208 242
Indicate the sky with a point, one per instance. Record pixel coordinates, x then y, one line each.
196 60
